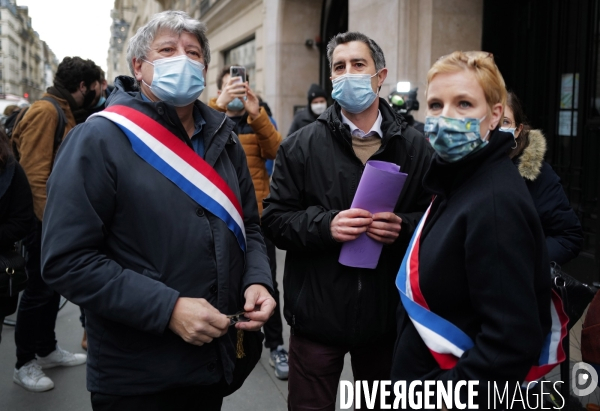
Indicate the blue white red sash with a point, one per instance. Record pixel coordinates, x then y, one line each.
179 163
447 342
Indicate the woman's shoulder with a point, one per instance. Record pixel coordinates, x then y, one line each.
498 184
531 160
18 179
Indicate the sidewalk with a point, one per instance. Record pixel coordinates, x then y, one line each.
261 391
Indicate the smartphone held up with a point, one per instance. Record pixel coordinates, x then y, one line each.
237 74
238 71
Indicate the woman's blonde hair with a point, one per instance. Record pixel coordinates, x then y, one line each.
482 65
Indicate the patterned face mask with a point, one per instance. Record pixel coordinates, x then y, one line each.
454 138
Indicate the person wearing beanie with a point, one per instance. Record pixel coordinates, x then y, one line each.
317 104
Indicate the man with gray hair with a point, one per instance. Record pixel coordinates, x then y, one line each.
152 227
333 309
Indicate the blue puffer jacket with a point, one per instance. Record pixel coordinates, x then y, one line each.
123 242
564 236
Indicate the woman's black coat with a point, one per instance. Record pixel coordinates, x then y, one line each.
483 267
564 236
16 217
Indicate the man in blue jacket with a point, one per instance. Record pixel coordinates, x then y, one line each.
152 227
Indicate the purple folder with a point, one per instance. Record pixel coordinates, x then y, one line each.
378 191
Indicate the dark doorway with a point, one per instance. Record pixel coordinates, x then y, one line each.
547 52
334 20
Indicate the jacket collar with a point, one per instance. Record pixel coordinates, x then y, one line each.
216 131
443 178
57 90
531 159
392 124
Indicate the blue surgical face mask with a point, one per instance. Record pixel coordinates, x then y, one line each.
454 138
235 105
100 102
510 130
177 80
354 92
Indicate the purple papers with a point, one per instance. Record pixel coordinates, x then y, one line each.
377 192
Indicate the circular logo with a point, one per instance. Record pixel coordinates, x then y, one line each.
584 379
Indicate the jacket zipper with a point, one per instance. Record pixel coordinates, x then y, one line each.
360 173
339 130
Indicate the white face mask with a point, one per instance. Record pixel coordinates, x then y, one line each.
510 130
318 108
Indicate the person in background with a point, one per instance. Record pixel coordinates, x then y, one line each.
100 101
8 119
270 162
76 85
265 105
317 104
16 212
564 235
334 309
475 283
10 109
260 139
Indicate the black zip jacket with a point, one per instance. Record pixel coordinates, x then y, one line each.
316 175
124 242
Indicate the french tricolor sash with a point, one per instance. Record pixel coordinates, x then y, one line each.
447 342
179 163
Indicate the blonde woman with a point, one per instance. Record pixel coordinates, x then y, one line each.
475 282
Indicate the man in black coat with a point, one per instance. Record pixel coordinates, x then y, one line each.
155 268
334 309
317 104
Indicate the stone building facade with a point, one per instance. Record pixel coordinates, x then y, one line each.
538 47
26 62
282 42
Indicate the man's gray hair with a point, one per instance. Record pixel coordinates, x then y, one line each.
342 38
174 21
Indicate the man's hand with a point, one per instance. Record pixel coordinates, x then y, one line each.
233 89
196 321
259 307
385 227
251 103
347 225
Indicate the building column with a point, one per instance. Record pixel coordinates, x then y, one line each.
415 33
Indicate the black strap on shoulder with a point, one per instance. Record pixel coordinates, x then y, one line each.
62 122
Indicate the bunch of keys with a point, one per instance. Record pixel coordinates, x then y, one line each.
237 318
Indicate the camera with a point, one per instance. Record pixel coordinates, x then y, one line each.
403 100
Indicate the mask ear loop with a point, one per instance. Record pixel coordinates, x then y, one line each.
515 138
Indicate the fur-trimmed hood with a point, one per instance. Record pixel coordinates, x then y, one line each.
531 159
